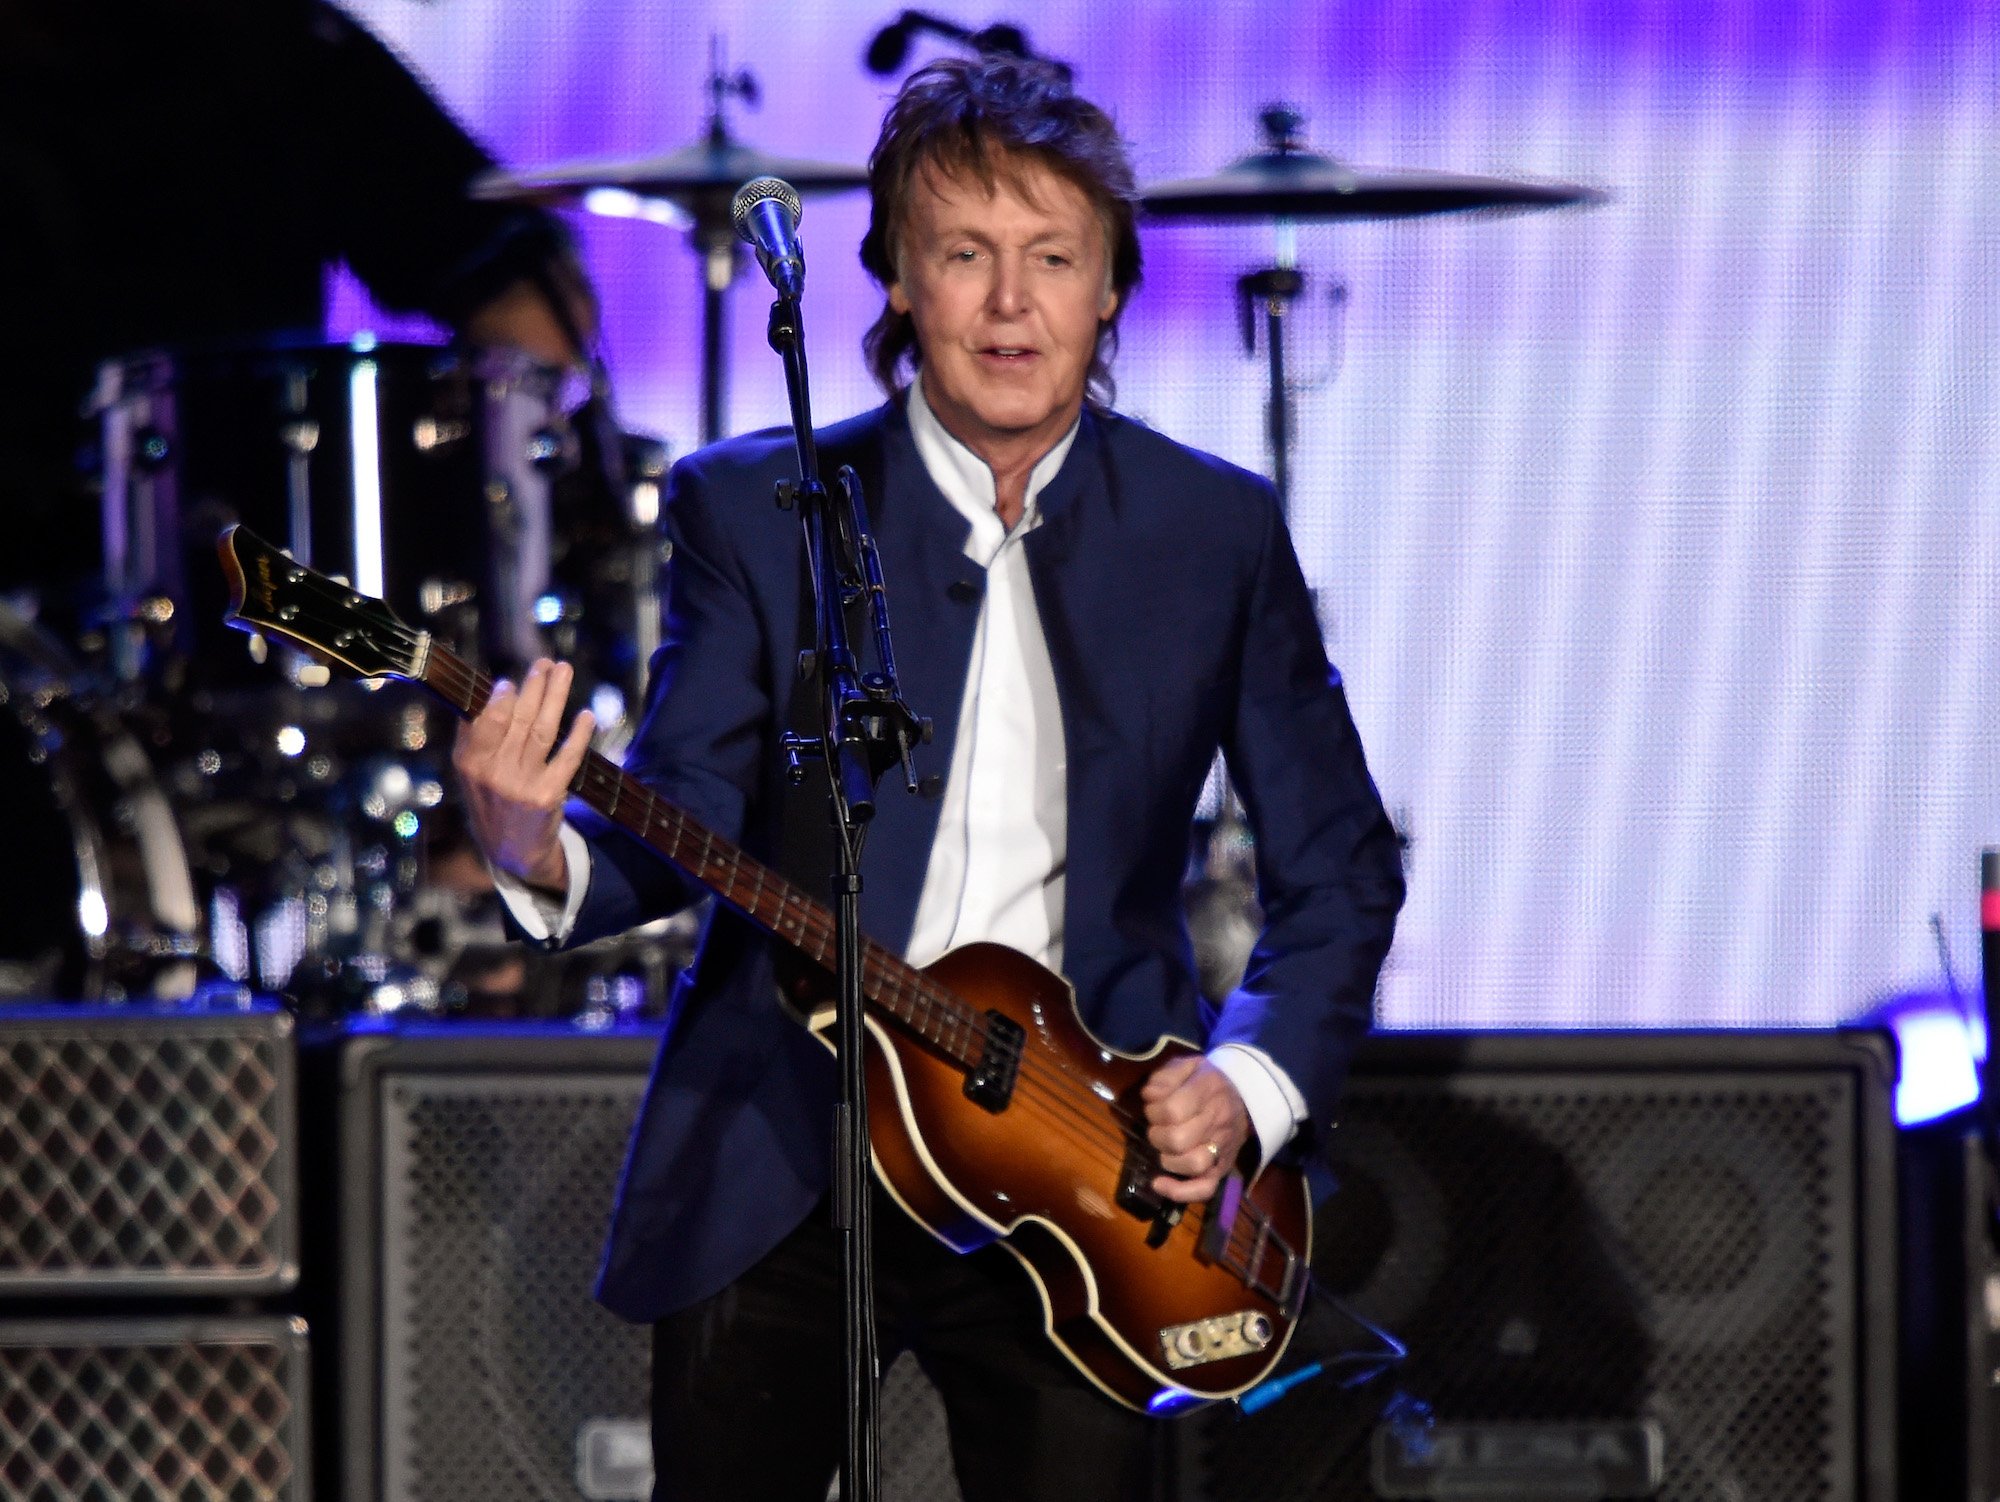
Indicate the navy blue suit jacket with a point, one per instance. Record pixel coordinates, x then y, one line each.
1177 622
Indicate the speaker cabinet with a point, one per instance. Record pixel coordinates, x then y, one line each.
1624 1264
1950 1322
477 1166
147 1152
1662 1256
147 1410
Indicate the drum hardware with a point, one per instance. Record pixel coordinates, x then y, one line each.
1286 184
338 875
305 818
890 47
305 814
97 901
1273 291
386 464
691 189
1286 181
1219 892
650 553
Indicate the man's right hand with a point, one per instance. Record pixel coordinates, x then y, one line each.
515 776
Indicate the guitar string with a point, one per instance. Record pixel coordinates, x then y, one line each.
923 1002
935 1016
1085 1116
1088 1117
809 928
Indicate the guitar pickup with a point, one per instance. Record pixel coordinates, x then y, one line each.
990 1085
1136 1197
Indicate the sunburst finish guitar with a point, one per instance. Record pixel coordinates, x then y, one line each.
993 1113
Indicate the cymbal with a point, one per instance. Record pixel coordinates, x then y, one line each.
693 177
1283 182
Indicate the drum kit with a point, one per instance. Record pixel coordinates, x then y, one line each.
200 813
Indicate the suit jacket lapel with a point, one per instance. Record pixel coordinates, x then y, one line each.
934 597
1075 506
1083 582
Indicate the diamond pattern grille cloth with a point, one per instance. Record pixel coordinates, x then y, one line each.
144 1158
100 1413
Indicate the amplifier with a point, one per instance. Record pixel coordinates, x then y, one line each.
147 1151
1626 1265
154 1410
477 1166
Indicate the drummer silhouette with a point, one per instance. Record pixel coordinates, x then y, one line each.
181 174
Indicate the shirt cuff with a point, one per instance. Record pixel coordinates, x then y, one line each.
1273 1102
542 917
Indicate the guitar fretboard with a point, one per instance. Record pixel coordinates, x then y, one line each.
775 904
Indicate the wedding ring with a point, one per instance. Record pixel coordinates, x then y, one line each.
1214 1152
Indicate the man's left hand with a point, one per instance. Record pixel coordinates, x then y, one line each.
1196 1122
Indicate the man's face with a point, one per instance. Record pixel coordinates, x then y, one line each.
1006 290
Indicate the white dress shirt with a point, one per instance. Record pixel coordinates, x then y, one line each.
998 866
998 863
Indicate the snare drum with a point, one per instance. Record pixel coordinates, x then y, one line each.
419 474
97 901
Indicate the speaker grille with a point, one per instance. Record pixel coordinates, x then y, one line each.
129 1411
1679 1248
146 1153
495 1196
915 1444
492 1161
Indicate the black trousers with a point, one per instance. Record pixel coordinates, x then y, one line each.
747 1384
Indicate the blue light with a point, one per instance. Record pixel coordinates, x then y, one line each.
1938 1044
1169 1400
1268 1392
362 342
549 609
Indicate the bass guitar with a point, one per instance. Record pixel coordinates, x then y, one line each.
993 1113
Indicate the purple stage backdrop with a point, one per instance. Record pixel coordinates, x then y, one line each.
1659 543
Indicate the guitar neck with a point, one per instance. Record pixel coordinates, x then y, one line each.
745 883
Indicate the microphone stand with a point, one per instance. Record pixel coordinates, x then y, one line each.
865 728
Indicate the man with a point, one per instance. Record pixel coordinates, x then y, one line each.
1096 610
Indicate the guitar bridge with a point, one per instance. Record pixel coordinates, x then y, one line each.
991 1084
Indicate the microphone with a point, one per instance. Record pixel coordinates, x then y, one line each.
891 46
765 212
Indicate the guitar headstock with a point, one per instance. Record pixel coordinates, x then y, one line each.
281 597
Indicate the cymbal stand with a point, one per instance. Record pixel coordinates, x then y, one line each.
714 240
1275 288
